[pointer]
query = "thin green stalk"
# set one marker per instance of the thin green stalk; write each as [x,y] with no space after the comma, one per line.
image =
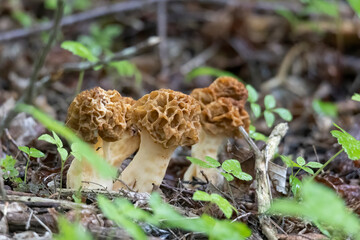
[327,163]
[61,177]
[80,82]
[26,168]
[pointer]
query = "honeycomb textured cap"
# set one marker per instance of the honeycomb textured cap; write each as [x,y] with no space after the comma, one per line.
[171,118]
[97,112]
[128,102]
[231,88]
[222,112]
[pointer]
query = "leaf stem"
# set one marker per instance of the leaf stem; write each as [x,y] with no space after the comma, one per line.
[26,168]
[329,161]
[80,82]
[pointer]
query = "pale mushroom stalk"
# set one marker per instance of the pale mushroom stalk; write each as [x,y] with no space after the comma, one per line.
[116,152]
[148,167]
[81,172]
[208,145]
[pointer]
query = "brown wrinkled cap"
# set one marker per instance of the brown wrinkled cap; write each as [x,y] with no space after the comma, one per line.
[231,88]
[222,112]
[128,102]
[171,118]
[97,112]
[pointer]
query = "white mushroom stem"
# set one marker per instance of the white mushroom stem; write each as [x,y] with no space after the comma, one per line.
[116,152]
[82,173]
[208,145]
[148,167]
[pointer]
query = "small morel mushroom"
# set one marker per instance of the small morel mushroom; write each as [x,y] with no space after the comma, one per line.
[99,118]
[166,119]
[222,113]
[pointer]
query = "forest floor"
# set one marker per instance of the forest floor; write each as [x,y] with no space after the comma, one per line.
[310,65]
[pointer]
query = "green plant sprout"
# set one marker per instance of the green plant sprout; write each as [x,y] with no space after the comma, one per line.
[122,212]
[214,198]
[314,206]
[270,104]
[7,166]
[325,108]
[300,163]
[231,167]
[30,152]
[64,155]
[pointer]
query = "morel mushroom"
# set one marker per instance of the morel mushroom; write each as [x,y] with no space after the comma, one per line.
[166,119]
[99,118]
[222,112]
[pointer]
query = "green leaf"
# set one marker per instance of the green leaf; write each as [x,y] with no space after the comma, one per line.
[70,230]
[24,149]
[47,138]
[58,141]
[355,6]
[301,161]
[348,142]
[233,166]
[112,212]
[36,153]
[256,109]
[227,176]
[22,17]
[80,50]
[322,6]
[269,118]
[325,108]
[284,114]
[212,161]
[316,200]
[253,95]
[243,176]
[287,160]
[258,136]
[104,169]
[127,69]
[356,96]
[201,196]
[223,204]
[314,165]
[201,71]
[295,184]
[201,163]
[63,153]
[308,170]
[269,102]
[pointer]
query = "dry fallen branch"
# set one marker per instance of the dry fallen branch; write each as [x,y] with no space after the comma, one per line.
[47,202]
[263,192]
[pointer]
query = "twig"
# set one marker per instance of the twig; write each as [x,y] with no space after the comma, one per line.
[47,202]
[41,222]
[28,96]
[250,142]
[199,59]
[76,18]
[162,34]
[263,192]
[125,53]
